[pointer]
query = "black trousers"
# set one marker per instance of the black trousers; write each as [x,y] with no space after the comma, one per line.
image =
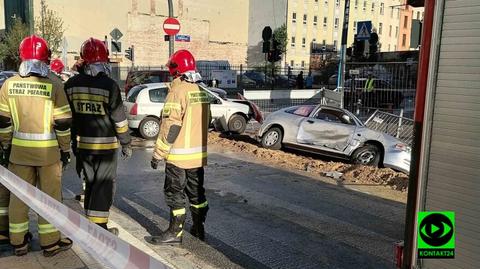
[100,172]
[183,182]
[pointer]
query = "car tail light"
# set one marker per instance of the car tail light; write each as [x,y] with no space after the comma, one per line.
[134,109]
[398,254]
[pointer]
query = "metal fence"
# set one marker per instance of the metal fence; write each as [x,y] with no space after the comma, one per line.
[395,125]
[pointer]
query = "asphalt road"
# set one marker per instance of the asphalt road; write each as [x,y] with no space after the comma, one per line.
[264,217]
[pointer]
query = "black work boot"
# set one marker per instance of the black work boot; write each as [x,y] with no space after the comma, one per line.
[198,217]
[174,233]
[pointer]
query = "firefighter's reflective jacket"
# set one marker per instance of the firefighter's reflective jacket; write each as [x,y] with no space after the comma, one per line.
[99,120]
[35,118]
[184,129]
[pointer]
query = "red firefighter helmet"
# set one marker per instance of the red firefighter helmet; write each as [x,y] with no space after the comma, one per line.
[56,65]
[34,48]
[180,62]
[94,51]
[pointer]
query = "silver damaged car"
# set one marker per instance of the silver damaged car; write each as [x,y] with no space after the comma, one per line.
[333,132]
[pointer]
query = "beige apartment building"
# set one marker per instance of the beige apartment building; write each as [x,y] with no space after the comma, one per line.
[321,21]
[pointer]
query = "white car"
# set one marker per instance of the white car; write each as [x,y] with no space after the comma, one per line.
[144,104]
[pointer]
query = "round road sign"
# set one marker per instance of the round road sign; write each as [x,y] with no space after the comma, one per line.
[171,26]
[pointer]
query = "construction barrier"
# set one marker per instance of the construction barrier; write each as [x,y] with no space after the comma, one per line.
[98,242]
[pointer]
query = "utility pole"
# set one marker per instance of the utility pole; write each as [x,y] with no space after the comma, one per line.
[171,41]
[343,52]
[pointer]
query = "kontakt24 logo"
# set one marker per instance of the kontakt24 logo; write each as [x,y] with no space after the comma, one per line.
[436,235]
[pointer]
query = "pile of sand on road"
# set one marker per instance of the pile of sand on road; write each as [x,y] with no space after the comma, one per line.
[356,174]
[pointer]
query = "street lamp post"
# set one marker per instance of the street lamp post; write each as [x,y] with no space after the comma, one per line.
[343,52]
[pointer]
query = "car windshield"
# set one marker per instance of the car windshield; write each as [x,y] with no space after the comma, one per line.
[303,111]
[133,93]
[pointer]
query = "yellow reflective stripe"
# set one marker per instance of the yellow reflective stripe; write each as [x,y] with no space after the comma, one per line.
[161,145]
[13,105]
[46,229]
[89,97]
[202,205]
[3,211]
[186,157]
[170,105]
[33,143]
[97,146]
[177,212]
[4,108]
[6,130]
[180,233]
[63,133]
[97,219]
[121,130]
[61,110]
[47,116]
[18,227]
[188,128]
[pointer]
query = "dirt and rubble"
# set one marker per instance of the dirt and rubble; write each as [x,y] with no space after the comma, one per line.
[347,173]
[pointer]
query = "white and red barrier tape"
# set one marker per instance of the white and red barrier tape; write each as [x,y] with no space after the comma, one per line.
[101,244]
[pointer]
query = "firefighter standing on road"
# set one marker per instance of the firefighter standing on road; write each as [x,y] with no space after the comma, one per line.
[99,123]
[35,118]
[183,144]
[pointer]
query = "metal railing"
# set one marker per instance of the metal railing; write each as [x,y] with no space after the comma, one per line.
[394,125]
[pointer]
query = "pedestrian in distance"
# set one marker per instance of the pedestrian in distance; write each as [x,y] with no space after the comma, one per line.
[300,81]
[99,124]
[309,80]
[36,123]
[182,144]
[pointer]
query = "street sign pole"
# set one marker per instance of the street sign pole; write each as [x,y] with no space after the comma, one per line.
[343,53]
[171,42]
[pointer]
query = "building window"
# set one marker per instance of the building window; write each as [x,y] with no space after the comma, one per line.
[304,41]
[337,2]
[316,1]
[315,19]
[303,63]
[373,6]
[398,13]
[382,8]
[326,2]
[356,4]
[388,47]
[380,28]
[293,42]
[391,12]
[324,42]
[394,47]
[336,22]
[354,26]
[418,15]
[364,5]
[314,40]
[335,42]
[396,31]
[292,63]
[305,19]
[405,22]
[404,40]
[390,31]
[294,17]
[324,21]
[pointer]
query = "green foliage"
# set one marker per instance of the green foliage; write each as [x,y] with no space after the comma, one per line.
[11,41]
[50,27]
[281,37]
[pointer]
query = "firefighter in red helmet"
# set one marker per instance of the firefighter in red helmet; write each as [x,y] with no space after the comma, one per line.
[35,120]
[182,143]
[56,65]
[99,125]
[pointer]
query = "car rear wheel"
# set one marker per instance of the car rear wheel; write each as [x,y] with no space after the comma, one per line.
[237,124]
[149,128]
[272,139]
[367,155]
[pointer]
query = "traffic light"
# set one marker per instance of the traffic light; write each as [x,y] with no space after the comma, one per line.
[129,53]
[275,54]
[373,41]
[266,46]
[359,48]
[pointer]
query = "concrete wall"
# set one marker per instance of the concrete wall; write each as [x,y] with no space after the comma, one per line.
[2,15]
[263,13]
